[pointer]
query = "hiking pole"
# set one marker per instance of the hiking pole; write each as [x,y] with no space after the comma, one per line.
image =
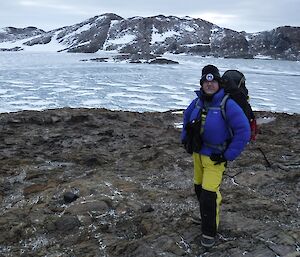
[265,157]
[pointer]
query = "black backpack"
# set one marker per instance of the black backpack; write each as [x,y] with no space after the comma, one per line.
[235,88]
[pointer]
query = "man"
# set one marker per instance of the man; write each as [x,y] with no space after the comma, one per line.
[207,136]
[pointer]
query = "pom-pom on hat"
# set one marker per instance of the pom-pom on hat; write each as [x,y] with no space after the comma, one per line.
[210,72]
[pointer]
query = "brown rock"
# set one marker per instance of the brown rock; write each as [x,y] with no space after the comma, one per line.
[135,185]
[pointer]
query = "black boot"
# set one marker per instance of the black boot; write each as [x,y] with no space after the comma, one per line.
[208,213]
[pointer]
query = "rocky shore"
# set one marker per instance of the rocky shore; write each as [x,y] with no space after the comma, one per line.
[94,182]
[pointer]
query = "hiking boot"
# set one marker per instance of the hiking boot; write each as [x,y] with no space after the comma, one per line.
[207,241]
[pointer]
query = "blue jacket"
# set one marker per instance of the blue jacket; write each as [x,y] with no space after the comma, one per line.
[215,130]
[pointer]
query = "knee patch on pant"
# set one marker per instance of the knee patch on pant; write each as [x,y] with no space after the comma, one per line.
[208,212]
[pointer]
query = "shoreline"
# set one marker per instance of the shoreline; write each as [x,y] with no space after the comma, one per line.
[119,110]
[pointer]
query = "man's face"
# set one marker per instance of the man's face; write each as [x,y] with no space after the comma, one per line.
[210,87]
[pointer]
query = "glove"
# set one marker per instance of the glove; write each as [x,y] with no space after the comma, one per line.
[218,158]
[188,147]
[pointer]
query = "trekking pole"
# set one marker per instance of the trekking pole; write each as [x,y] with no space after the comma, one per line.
[265,157]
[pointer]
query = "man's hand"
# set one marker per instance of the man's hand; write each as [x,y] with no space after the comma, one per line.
[218,158]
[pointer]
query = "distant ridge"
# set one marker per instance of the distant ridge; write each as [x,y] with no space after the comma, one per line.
[156,35]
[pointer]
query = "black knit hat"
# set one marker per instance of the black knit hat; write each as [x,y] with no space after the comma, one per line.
[210,72]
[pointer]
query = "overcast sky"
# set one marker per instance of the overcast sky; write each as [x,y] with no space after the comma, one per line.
[247,15]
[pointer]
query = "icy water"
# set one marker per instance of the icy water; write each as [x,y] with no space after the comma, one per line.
[37,81]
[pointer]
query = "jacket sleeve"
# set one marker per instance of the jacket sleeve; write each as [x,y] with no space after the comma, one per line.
[240,126]
[186,118]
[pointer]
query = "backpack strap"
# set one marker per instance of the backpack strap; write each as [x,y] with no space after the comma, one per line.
[223,105]
[223,111]
[197,104]
[242,80]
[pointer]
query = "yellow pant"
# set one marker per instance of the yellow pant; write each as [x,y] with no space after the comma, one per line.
[209,176]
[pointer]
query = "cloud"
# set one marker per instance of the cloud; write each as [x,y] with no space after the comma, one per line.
[46,5]
[219,18]
[251,16]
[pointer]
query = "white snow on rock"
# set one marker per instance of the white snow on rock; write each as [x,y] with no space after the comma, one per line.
[79,30]
[52,46]
[187,27]
[161,37]
[125,39]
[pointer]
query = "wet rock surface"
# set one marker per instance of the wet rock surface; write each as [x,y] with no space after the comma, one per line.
[93,182]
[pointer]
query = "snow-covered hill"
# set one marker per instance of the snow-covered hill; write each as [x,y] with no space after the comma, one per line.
[154,35]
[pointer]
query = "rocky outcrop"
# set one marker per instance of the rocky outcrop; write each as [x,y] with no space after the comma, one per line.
[230,44]
[162,61]
[279,43]
[94,182]
[160,34]
[42,40]
[89,36]
[14,49]
[13,34]
[134,58]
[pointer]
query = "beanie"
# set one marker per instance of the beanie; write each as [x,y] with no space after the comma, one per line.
[210,72]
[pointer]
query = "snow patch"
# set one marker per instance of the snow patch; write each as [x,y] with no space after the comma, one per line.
[100,18]
[113,23]
[52,46]
[162,19]
[161,37]
[12,44]
[84,43]
[187,28]
[199,44]
[80,30]
[136,18]
[262,57]
[214,30]
[188,18]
